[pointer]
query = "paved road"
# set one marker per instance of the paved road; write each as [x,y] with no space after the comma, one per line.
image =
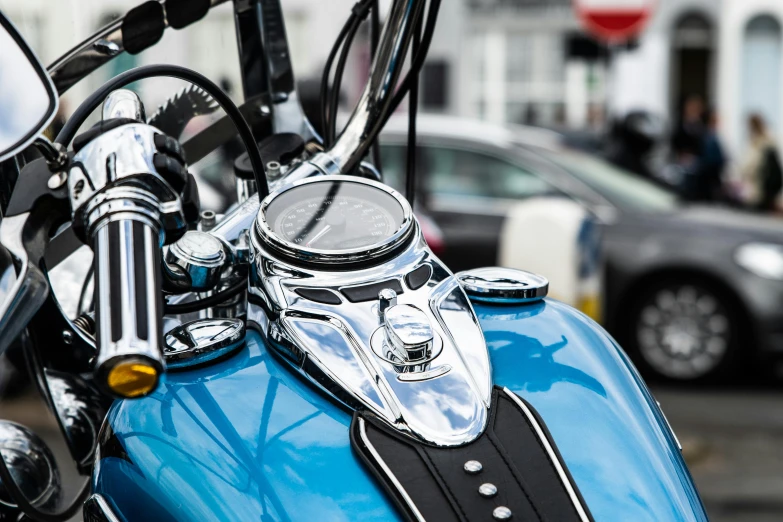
[732,439]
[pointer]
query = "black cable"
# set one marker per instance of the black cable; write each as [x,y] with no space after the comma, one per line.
[84,110]
[85,285]
[334,99]
[327,71]
[418,63]
[413,105]
[404,88]
[375,36]
[207,302]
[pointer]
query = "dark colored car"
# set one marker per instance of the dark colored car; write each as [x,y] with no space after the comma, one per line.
[691,292]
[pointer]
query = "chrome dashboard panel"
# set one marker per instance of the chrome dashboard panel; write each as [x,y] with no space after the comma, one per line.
[444,400]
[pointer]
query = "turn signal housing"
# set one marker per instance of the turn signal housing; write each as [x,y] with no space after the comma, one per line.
[131,379]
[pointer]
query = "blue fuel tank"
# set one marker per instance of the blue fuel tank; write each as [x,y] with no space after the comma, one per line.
[247,439]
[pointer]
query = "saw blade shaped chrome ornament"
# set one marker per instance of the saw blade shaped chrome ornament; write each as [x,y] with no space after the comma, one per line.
[174,114]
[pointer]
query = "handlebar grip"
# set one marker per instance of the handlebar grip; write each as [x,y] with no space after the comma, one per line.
[128,305]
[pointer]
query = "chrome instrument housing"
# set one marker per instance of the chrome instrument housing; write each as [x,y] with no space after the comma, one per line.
[293,251]
[442,399]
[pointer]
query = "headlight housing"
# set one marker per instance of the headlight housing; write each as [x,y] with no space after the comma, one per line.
[763,259]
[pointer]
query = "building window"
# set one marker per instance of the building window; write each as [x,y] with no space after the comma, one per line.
[761,85]
[519,58]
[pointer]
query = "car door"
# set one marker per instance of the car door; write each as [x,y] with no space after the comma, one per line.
[468,193]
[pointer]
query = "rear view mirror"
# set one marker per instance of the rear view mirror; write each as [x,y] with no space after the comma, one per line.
[28,101]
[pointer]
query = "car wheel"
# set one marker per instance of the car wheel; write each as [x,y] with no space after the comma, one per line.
[684,330]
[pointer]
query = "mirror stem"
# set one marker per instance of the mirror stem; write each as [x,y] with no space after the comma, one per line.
[54,153]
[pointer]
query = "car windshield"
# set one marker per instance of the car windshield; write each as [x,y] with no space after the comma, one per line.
[622,188]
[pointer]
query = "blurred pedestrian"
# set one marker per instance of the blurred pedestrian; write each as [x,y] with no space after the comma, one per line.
[632,140]
[705,180]
[688,137]
[761,171]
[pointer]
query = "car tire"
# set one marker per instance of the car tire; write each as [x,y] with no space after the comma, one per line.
[685,329]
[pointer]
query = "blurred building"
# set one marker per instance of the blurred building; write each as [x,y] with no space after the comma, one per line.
[521,61]
[726,51]
[524,65]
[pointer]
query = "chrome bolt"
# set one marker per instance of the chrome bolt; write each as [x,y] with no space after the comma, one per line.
[488,490]
[501,513]
[208,220]
[106,47]
[273,170]
[57,180]
[67,337]
[386,299]
[473,467]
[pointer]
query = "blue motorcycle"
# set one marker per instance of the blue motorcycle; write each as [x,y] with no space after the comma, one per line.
[304,356]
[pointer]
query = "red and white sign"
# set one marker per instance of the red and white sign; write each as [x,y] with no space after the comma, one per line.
[614,20]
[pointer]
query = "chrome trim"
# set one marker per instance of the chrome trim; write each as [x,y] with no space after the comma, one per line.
[503,285]
[22,293]
[388,472]
[200,255]
[131,343]
[92,53]
[552,455]
[122,154]
[386,299]
[329,257]
[201,341]
[21,449]
[246,188]
[123,103]
[668,425]
[233,227]
[385,349]
[96,509]
[409,333]
[444,402]
[79,409]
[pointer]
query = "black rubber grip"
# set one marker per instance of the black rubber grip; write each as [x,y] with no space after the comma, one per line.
[181,13]
[143,26]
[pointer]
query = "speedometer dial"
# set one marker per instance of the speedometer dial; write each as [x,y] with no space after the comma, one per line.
[334,218]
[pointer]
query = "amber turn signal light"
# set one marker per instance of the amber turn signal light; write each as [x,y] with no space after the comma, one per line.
[132,379]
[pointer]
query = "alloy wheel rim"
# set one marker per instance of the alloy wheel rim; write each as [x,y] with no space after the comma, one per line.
[683,332]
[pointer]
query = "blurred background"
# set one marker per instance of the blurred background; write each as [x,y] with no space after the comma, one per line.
[625,149]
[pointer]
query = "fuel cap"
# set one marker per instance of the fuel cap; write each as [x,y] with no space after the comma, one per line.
[503,285]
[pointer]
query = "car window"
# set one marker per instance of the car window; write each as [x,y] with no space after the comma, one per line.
[453,172]
[622,188]
[393,165]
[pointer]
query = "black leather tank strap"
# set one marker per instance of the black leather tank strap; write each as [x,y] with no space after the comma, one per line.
[513,471]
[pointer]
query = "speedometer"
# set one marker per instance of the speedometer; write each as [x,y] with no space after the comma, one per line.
[334,219]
